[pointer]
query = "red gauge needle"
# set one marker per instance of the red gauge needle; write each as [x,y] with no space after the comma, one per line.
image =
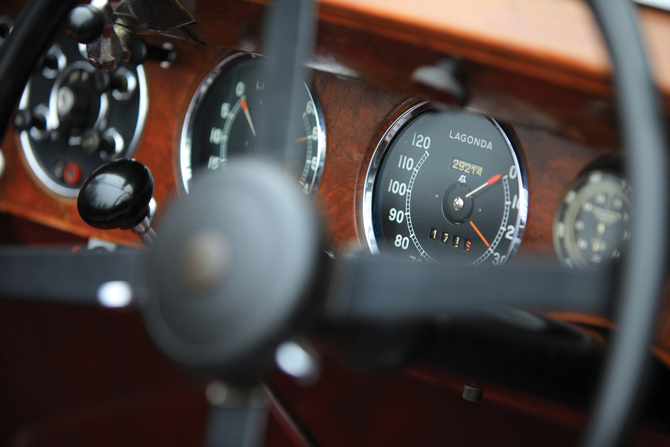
[300,140]
[245,109]
[479,232]
[490,181]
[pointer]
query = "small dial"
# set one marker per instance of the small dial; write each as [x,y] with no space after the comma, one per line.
[221,123]
[591,228]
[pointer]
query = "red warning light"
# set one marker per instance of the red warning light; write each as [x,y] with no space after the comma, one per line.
[72,173]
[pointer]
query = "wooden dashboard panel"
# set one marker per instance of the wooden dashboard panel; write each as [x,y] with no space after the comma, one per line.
[555,40]
[356,114]
[565,92]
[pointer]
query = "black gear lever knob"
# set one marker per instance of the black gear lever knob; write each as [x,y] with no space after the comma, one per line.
[84,24]
[119,195]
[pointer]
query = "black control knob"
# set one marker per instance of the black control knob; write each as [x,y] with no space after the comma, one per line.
[165,55]
[73,102]
[84,24]
[119,82]
[93,143]
[49,61]
[24,120]
[116,195]
[78,102]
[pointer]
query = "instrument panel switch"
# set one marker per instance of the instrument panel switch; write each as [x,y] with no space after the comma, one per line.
[472,393]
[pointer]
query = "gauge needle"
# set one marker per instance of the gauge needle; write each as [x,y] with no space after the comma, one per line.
[490,181]
[479,232]
[300,140]
[245,109]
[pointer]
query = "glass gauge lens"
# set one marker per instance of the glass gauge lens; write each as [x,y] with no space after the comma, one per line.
[220,123]
[592,222]
[445,186]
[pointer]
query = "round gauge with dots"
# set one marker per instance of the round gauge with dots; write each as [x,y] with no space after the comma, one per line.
[72,118]
[445,186]
[592,222]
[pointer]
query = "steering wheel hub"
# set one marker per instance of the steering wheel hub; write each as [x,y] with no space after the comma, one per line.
[231,270]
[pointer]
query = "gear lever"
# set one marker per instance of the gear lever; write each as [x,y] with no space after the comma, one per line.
[119,195]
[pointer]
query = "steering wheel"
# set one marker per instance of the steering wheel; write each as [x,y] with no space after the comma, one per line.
[351,287]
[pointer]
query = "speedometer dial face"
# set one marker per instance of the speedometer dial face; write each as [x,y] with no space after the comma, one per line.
[445,186]
[220,123]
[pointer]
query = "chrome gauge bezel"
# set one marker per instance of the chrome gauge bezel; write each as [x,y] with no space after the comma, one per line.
[185,172]
[321,143]
[376,161]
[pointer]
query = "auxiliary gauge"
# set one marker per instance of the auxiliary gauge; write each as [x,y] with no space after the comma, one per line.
[445,186]
[221,123]
[591,226]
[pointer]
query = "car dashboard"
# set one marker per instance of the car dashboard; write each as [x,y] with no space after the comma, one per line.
[538,68]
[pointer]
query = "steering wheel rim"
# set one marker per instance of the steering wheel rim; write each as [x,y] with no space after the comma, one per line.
[644,269]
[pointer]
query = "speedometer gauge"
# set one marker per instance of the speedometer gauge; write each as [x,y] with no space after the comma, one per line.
[221,123]
[445,186]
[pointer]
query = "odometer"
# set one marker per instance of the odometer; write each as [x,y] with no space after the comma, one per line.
[468,168]
[445,186]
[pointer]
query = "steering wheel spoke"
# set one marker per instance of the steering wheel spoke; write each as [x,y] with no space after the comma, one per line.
[387,290]
[70,275]
[288,39]
[237,417]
